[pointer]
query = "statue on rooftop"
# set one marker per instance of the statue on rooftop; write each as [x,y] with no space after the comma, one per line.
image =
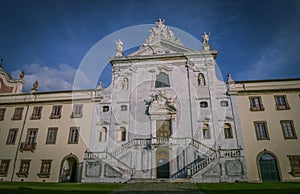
[205,38]
[119,51]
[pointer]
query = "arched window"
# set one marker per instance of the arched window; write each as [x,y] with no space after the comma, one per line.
[162,80]
[227,131]
[103,134]
[121,134]
[206,131]
[201,80]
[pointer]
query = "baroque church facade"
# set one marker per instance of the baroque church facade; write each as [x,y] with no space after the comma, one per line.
[165,115]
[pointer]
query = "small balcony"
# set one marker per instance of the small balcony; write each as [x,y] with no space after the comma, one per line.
[35,117]
[27,147]
[259,107]
[54,116]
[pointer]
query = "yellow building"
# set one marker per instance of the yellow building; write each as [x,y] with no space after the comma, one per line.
[43,135]
[269,113]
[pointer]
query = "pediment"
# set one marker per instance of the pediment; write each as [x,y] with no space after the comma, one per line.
[161,47]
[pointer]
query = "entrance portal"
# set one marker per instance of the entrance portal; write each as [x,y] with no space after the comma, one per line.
[162,162]
[69,169]
[268,168]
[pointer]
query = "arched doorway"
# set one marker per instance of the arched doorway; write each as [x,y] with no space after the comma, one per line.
[162,162]
[69,169]
[268,168]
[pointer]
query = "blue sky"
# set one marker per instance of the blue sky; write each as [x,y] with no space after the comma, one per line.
[256,39]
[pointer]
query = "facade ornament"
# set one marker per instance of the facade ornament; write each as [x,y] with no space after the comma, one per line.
[125,83]
[116,70]
[119,51]
[161,32]
[230,82]
[22,74]
[99,86]
[205,39]
[35,87]
[161,100]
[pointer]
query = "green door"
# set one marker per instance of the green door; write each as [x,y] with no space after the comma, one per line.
[268,168]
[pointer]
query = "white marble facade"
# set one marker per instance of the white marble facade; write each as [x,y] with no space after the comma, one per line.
[165,115]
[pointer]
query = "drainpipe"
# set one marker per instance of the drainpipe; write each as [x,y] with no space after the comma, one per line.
[19,142]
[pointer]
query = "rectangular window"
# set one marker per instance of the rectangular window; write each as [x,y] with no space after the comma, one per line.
[30,143]
[256,103]
[12,135]
[4,166]
[281,103]
[288,130]
[295,165]
[18,113]
[2,113]
[123,107]
[51,136]
[105,108]
[261,130]
[74,135]
[24,168]
[45,169]
[77,111]
[56,112]
[36,113]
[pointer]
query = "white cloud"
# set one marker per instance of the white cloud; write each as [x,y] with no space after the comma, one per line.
[49,78]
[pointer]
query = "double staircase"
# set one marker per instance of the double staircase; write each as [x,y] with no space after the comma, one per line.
[199,164]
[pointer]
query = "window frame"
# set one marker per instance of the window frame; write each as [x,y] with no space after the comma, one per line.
[279,106]
[45,169]
[75,112]
[121,135]
[201,103]
[2,113]
[258,137]
[4,169]
[103,134]
[295,165]
[260,106]
[224,101]
[207,134]
[162,80]
[36,114]
[49,135]
[18,114]
[24,168]
[30,141]
[124,107]
[105,108]
[291,127]
[56,112]
[229,129]
[13,141]
[72,133]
